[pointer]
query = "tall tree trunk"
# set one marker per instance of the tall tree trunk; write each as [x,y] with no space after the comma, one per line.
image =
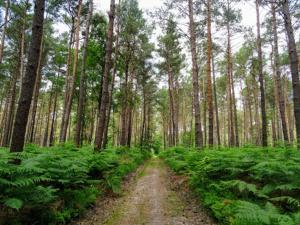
[28,83]
[193,45]
[209,82]
[105,83]
[236,131]
[68,105]
[278,78]
[231,137]
[36,92]
[7,5]
[248,99]
[80,109]
[293,64]
[216,102]
[67,79]
[124,110]
[261,80]
[171,106]
[112,85]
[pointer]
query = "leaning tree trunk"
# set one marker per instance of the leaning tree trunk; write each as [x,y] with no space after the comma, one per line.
[193,45]
[105,81]
[293,64]
[209,82]
[261,80]
[80,111]
[21,118]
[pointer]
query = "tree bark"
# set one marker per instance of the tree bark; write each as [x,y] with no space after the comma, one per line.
[216,102]
[105,84]
[46,136]
[112,85]
[261,80]
[293,64]
[67,79]
[80,109]
[209,82]
[193,45]
[68,106]
[278,78]
[21,119]
[231,136]
[31,125]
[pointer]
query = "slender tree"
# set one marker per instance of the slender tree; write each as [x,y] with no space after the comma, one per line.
[80,108]
[68,106]
[278,78]
[261,78]
[209,80]
[195,70]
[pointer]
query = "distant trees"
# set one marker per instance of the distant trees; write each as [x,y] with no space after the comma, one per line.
[105,81]
[171,52]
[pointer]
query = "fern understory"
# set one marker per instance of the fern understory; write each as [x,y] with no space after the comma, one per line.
[54,185]
[248,186]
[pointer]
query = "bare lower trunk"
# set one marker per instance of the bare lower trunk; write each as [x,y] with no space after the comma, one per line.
[46,136]
[231,136]
[69,102]
[261,81]
[209,82]
[80,109]
[293,64]
[67,81]
[28,83]
[197,113]
[216,103]
[105,83]
[31,124]
[278,79]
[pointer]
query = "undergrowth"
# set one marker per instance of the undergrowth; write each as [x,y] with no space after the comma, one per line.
[248,186]
[54,185]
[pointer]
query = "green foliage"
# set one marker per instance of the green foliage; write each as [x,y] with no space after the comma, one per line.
[243,186]
[52,185]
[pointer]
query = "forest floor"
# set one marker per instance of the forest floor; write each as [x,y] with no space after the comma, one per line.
[151,196]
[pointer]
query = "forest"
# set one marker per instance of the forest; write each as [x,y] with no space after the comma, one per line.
[134,112]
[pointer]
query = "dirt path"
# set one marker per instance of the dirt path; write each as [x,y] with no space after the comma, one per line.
[150,201]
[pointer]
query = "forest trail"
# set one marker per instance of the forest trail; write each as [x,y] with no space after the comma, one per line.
[149,200]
